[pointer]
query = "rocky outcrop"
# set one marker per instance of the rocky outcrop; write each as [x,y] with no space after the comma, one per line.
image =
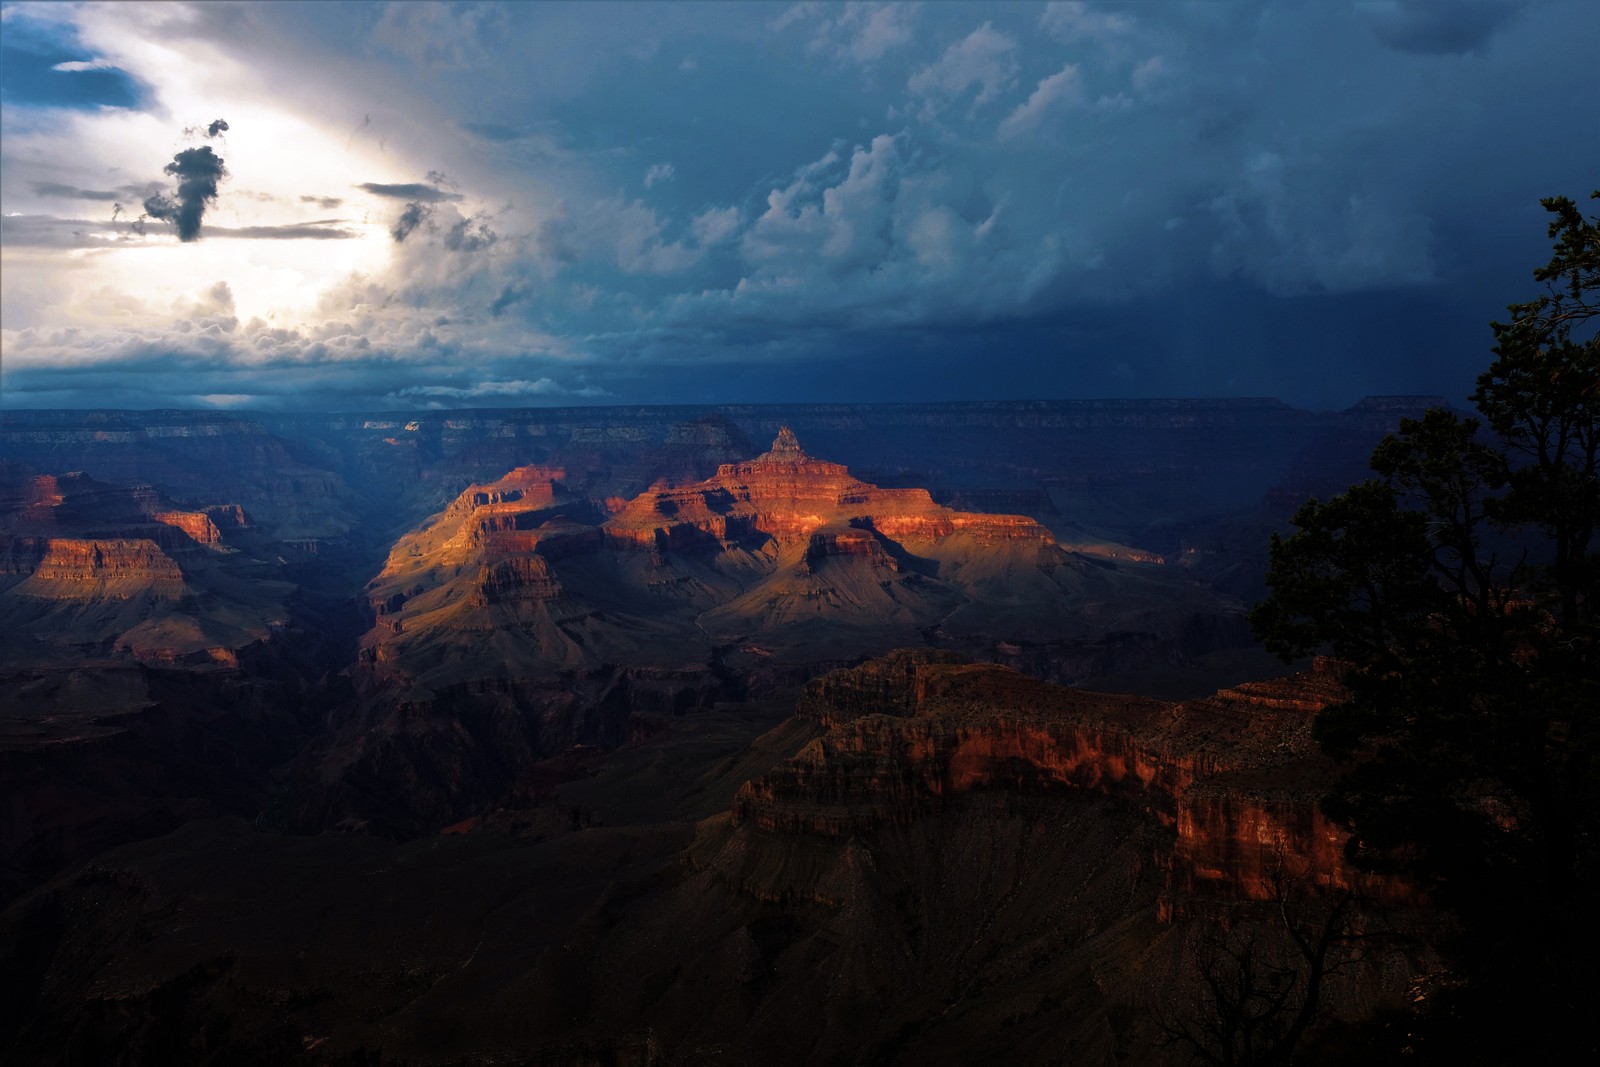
[71,560]
[1235,777]
[196,525]
[519,578]
[95,572]
[785,495]
[77,505]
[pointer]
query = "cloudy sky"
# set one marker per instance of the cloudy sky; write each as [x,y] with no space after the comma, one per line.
[357,206]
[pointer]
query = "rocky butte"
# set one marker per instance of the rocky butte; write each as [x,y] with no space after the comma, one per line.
[529,620]
[1235,775]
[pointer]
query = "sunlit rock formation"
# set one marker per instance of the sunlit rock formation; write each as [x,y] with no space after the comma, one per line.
[1234,776]
[533,620]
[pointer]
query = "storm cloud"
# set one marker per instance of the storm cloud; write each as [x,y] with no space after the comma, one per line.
[70,192]
[817,201]
[414,216]
[198,170]
[426,194]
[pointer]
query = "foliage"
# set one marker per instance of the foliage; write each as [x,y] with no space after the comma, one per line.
[1460,587]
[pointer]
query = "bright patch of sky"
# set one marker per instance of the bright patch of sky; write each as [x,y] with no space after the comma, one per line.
[480,203]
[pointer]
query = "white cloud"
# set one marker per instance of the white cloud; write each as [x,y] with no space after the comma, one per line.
[440,36]
[715,225]
[1064,85]
[869,31]
[798,13]
[985,58]
[79,65]
[658,172]
[1076,21]
[1150,73]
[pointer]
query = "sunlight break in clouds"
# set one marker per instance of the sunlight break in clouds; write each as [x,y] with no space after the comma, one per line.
[955,198]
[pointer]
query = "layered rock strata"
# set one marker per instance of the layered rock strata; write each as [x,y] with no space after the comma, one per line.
[91,569]
[1235,776]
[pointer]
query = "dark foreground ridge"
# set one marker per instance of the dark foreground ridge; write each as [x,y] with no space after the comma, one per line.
[931,861]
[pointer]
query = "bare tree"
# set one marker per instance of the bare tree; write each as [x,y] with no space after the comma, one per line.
[1260,984]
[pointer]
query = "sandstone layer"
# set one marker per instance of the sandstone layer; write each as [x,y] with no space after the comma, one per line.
[1234,776]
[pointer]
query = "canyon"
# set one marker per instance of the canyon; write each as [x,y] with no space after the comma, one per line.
[951,741]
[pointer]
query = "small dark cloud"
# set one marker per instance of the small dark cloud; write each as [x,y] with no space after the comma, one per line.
[213,128]
[416,214]
[313,231]
[135,228]
[470,235]
[1440,27]
[72,192]
[414,191]
[508,296]
[327,203]
[198,171]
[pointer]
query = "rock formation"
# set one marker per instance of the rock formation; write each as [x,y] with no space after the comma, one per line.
[520,607]
[92,569]
[1235,775]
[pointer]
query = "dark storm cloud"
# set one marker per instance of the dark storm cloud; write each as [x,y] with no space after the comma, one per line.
[213,128]
[70,192]
[198,171]
[1440,27]
[314,231]
[508,296]
[48,231]
[413,216]
[135,228]
[415,191]
[470,235]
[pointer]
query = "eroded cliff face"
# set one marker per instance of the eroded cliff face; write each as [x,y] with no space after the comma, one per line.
[157,655]
[1234,777]
[74,568]
[786,496]
[93,572]
[523,598]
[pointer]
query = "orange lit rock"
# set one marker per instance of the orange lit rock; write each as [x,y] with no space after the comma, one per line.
[65,566]
[786,496]
[1235,775]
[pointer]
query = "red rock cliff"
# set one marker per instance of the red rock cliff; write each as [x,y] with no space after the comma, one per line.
[787,496]
[1234,775]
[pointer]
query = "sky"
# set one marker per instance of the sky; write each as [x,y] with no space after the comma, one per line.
[332,206]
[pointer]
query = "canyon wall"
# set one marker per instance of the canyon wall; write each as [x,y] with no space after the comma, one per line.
[1234,777]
